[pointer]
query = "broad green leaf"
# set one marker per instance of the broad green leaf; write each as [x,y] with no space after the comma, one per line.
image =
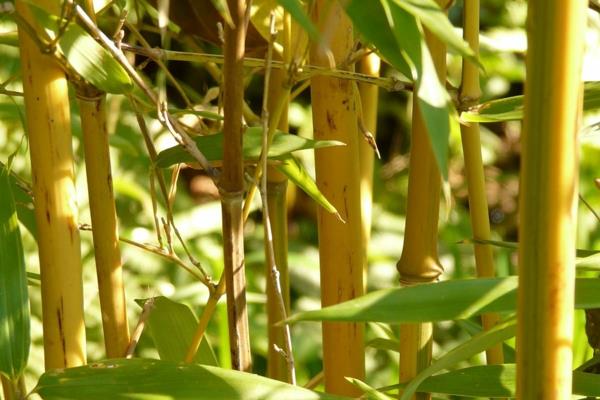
[369,18]
[511,108]
[23,202]
[478,343]
[14,303]
[172,326]
[86,56]
[296,10]
[142,379]
[435,19]
[496,381]
[212,147]
[295,172]
[449,300]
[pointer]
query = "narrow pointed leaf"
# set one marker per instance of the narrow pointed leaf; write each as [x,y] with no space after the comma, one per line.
[582,254]
[435,19]
[212,147]
[511,108]
[474,328]
[142,379]
[449,300]
[369,18]
[172,326]
[295,172]
[434,101]
[14,303]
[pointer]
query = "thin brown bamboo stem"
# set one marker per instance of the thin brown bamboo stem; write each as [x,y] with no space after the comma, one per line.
[369,65]
[49,133]
[469,94]
[419,260]
[231,186]
[337,170]
[548,198]
[104,221]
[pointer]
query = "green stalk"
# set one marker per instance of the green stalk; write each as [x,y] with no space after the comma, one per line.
[419,260]
[232,187]
[548,199]
[337,169]
[469,95]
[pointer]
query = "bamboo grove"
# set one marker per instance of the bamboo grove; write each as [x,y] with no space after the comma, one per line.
[101,86]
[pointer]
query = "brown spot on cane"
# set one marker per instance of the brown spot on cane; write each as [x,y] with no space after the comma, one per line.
[330,121]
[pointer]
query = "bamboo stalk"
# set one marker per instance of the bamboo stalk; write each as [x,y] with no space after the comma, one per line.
[469,95]
[548,200]
[277,184]
[232,187]
[337,169]
[49,130]
[419,260]
[369,65]
[104,222]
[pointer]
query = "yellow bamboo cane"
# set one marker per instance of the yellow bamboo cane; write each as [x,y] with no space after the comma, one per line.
[92,108]
[548,199]
[419,260]
[369,65]
[49,133]
[470,93]
[340,246]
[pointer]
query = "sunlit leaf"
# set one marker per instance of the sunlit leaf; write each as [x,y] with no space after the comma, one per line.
[86,56]
[142,379]
[14,303]
[172,326]
[295,172]
[473,328]
[449,300]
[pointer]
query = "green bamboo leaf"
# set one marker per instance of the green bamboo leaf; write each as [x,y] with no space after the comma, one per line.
[496,381]
[9,39]
[212,147]
[449,300]
[369,392]
[14,303]
[478,343]
[511,108]
[474,328]
[23,202]
[434,101]
[369,18]
[435,19]
[142,379]
[295,172]
[172,326]
[86,56]
[296,10]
